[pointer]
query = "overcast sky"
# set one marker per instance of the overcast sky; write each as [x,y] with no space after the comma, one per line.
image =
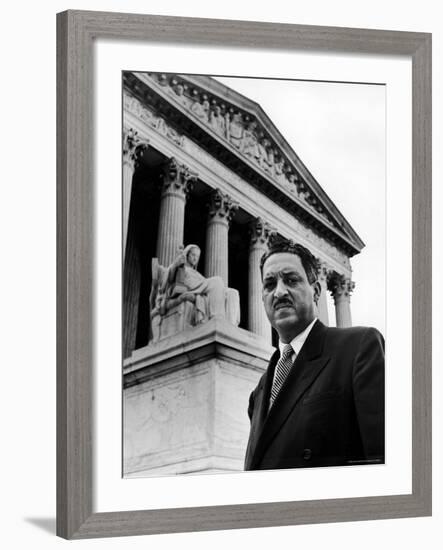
[338,131]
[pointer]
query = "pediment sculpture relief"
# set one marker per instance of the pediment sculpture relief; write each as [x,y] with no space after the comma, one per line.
[243,131]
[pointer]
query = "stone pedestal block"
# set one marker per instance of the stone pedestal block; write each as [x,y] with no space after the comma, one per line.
[186,400]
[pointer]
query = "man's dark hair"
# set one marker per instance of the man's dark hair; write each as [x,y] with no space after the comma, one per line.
[309,262]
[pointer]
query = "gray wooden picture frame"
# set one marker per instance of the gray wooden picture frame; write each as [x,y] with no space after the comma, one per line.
[76,32]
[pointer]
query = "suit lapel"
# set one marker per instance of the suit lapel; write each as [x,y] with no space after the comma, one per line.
[261,407]
[307,366]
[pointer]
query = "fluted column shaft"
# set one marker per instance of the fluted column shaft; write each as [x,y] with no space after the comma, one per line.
[257,319]
[341,289]
[322,306]
[171,226]
[177,182]
[128,173]
[133,149]
[221,210]
[217,249]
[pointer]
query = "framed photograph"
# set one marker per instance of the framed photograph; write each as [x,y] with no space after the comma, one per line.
[194,157]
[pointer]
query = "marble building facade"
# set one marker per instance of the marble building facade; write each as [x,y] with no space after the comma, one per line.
[203,164]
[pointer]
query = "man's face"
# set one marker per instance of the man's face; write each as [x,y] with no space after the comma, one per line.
[193,257]
[288,297]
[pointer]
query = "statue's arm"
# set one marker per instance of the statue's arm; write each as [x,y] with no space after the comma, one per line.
[156,278]
[172,269]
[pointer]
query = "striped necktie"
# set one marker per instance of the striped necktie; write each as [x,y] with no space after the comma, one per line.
[282,369]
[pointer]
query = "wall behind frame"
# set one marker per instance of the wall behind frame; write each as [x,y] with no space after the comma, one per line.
[28,274]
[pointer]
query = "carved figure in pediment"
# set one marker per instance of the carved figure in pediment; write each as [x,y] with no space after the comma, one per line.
[181,297]
[303,191]
[217,121]
[235,130]
[250,141]
[312,201]
[179,89]
[163,80]
[201,109]
[279,166]
[279,169]
[271,157]
[266,159]
[293,183]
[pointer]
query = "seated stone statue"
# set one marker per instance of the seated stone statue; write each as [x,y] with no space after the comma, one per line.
[181,297]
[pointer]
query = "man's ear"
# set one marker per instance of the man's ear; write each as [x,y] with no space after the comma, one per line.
[317,291]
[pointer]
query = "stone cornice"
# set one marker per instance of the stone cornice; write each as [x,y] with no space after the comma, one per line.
[293,196]
[215,339]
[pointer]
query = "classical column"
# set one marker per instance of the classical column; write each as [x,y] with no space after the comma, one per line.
[257,319]
[176,184]
[341,289]
[221,210]
[131,293]
[322,306]
[133,149]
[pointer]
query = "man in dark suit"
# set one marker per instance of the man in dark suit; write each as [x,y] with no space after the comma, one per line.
[321,399]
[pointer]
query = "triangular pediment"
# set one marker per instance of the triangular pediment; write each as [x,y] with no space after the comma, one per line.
[247,140]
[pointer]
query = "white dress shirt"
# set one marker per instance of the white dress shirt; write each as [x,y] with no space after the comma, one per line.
[297,342]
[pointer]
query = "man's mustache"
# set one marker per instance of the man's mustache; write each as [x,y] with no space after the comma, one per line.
[282,302]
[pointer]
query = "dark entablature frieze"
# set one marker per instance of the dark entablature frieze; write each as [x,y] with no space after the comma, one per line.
[170,103]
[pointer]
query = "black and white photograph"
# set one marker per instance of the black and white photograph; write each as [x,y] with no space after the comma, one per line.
[254,285]
[221,299]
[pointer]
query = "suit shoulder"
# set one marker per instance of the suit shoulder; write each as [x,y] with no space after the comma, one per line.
[354,332]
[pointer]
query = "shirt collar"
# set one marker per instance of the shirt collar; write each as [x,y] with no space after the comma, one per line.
[299,340]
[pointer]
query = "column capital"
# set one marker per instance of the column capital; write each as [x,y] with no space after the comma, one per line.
[221,207]
[177,178]
[260,232]
[340,286]
[324,272]
[133,147]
